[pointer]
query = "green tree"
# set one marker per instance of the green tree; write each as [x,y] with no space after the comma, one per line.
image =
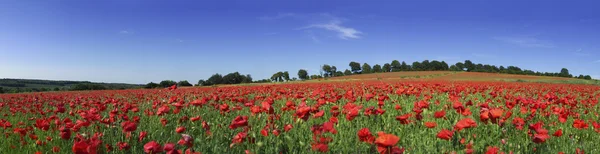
[386,67]
[148,86]
[396,66]
[404,67]
[347,72]
[247,78]
[339,73]
[327,70]
[564,72]
[460,66]
[355,67]
[366,68]
[184,83]
[587,77]
[377,68]
[303,74]
[469,65]
[333,71]
[167,83]
[286,76]
[277,77]
[1,90]
[416,66]
[214,79]
[201,83]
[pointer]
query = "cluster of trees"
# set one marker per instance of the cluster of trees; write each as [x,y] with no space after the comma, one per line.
[231,78]
[426,65]
[167,83]
[327,70]
[281,76]
[34,85]
[472,67]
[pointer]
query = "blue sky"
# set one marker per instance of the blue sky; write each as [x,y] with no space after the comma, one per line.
[151,40]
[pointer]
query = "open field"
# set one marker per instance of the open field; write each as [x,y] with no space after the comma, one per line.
[356,116]
[459,76]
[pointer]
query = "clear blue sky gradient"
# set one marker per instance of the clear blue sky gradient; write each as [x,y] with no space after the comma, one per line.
[149,40]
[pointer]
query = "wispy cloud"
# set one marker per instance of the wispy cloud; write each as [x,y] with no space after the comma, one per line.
[278,16]
[580,52]
[335,25]
[526,41]
[597,61]
[125,32]
[179,40]
[312,36]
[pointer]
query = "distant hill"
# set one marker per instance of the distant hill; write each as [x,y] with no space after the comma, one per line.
[35,85]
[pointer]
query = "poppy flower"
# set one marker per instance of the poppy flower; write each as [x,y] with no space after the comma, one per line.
[152,147]
[445,134]
[558,133]
[128,126]
[170,148]
[65,133]
[386,140]
[465,123]
[492,150]
[180,129]
[403,118]
[239,121]
[123,145]
[365,135]
[439,114]
[320,147]
[287,127]
[430,124]
[540,137]
[579,124]
[142,136]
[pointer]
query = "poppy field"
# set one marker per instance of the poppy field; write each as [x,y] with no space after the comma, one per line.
[412,116]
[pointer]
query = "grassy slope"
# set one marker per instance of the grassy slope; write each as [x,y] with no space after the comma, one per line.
[460,76]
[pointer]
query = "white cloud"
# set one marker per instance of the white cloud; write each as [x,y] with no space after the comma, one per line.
[526,41]
[336,26]
[125,32]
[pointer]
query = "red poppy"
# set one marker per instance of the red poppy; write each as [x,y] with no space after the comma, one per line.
[365,135]
[239,121]
[180,129]
[403,118]
[558,133]
[129,126]
[287,127]
[142,136]
[445,134]
[579,124]
[123,145]
[238,138]
[430,124]
[439,114]
[492,150]
[170,148]
[540,137]
[320,147]
[465,123]
[386,140]
[65,133]
[152,147]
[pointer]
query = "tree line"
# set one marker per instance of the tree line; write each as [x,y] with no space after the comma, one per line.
[327,71]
